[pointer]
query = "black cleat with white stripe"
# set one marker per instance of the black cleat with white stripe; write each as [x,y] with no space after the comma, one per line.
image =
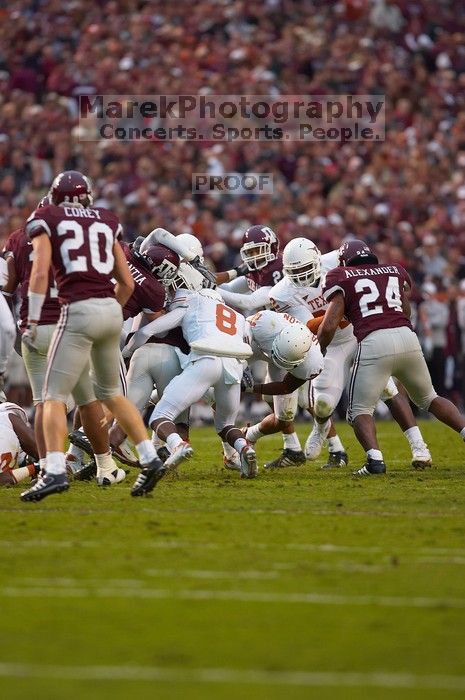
[372,467]
[45,485]
[149,477]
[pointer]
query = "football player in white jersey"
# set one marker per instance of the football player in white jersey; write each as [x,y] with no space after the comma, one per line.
[215,333]
[300,293]
[260,252]
[293,350]
[16,440]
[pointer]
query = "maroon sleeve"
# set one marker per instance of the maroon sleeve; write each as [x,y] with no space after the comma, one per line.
[39,222]
[333,283]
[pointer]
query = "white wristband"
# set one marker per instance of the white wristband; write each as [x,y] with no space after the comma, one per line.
[35,301]
[232,275]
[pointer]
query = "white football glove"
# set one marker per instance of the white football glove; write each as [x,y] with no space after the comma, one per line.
[29,337]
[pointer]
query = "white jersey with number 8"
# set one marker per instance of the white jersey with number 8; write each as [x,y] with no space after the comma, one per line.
[210,327]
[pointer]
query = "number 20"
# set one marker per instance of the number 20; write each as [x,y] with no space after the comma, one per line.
[80,262]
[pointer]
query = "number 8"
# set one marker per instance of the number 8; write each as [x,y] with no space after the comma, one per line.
[226,319]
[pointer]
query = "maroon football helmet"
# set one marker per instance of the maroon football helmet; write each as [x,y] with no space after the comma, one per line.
[162,262]
[260,246]
[71,187]
[354,252]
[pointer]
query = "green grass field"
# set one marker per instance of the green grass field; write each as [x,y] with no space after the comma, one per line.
[300,584]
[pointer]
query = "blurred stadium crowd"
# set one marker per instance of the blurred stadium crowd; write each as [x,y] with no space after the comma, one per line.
[405,197]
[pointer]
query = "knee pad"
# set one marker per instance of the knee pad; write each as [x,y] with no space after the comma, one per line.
[425,402]
[324,405]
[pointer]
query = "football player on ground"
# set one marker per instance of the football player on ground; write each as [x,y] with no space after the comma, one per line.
[81,244]
[300,293]
[375,299]
[215,335]
[16,443]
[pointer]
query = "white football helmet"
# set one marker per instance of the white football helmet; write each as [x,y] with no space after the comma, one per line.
[187,277]
[302,262]
[290,347]
[192,244]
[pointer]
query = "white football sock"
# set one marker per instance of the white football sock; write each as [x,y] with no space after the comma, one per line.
[291,442]
[414,436]
[375,454]
[56,463]
[173,441]
[335,444]
[228,450]
[254,433]
[146,451]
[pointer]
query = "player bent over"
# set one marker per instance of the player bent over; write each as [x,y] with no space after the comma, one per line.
[374,298]
[293,350]
[215,334]
[80,242]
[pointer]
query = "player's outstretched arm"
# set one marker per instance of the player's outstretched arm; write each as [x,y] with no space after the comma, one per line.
[331,320]
[247,302]
[286,386]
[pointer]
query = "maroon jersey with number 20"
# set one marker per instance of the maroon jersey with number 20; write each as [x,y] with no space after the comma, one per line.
[372,296]
[82,241]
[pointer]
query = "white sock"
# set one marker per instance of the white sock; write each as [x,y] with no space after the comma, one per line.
[462,433]
[239,444]
[375,454]
[335,444]
[43,464]
[105,462]
[56,463]
[414,436]
[254,433]
[291,442]
[228,450]
[173,441]
[145,451]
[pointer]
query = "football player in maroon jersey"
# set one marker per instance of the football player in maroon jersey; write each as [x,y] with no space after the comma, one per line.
[375,299]
[7,324]
[81,244]
[18,254]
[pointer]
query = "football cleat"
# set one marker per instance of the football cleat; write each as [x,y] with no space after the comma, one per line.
[233,463]
[180,453]
[372,467]
[316,439]
[149,478]
[108,478]
[78,438]
[87,472]
[336,460]
[45,486]
[125,455]
[287,458]
[421,456]
[248,466]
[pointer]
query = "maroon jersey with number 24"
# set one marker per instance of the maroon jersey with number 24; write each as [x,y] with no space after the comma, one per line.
[372,296]
[82,241]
